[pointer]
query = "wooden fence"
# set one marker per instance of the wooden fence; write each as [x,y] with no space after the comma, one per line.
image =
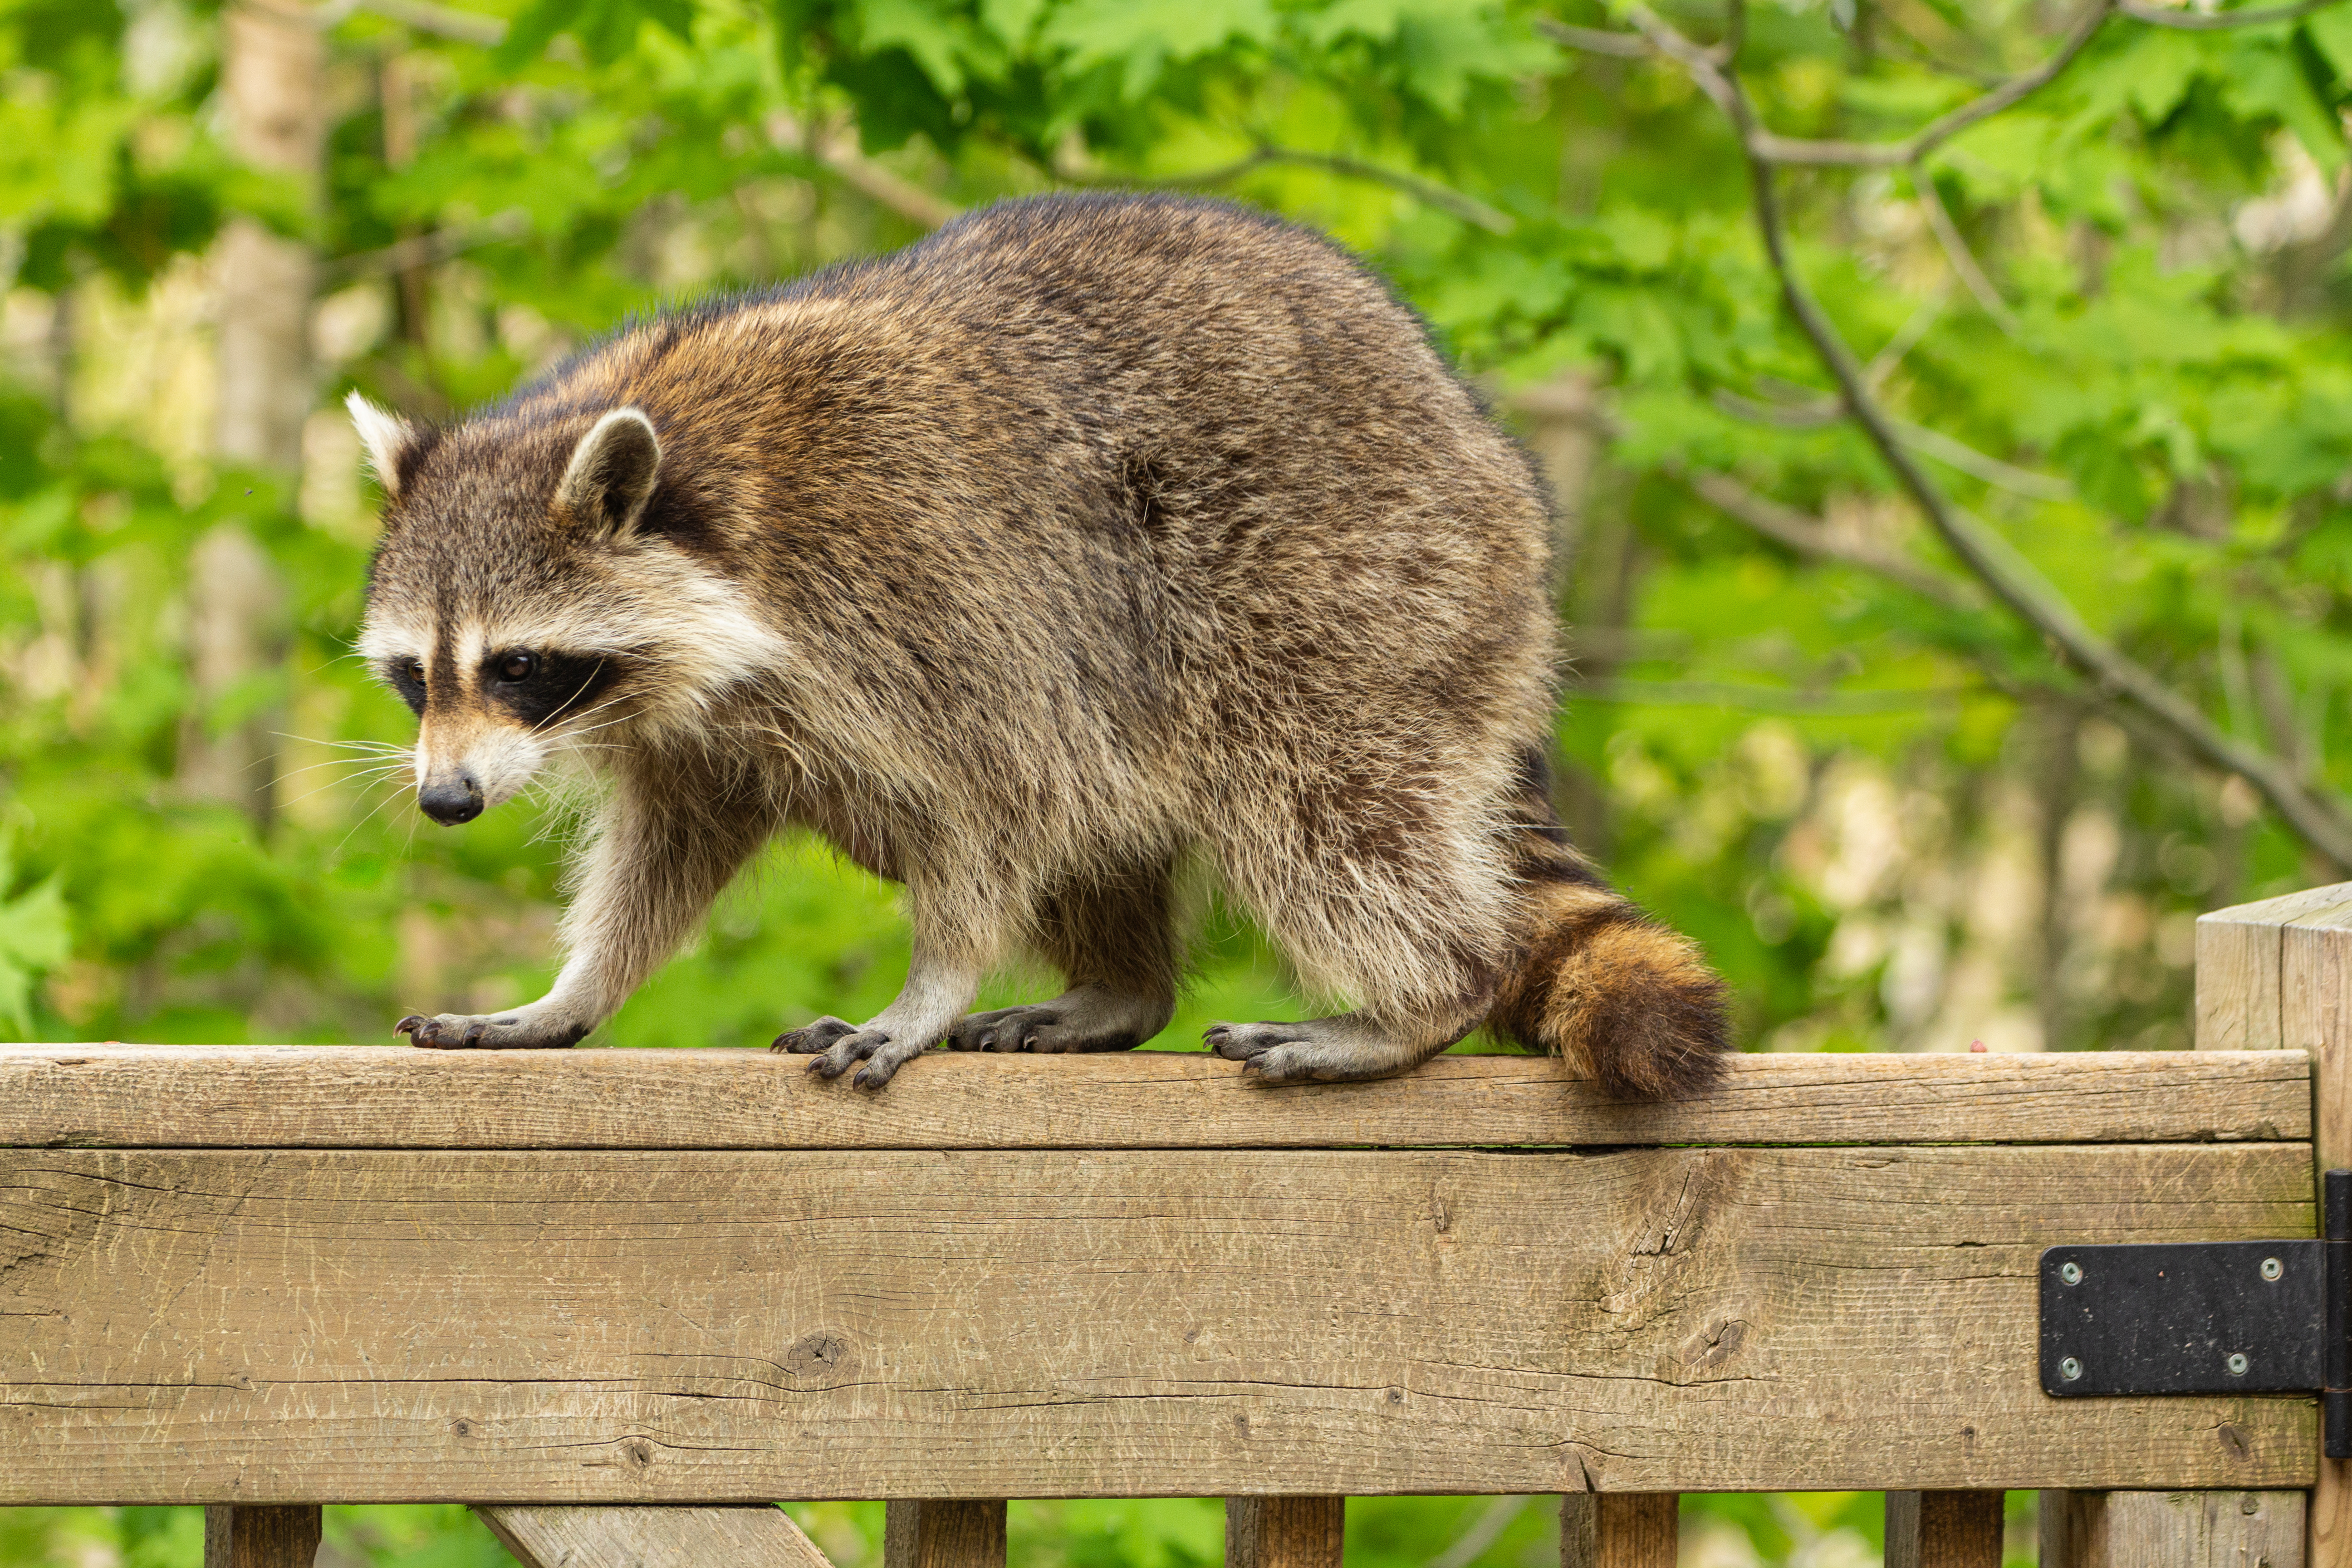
[606,1295]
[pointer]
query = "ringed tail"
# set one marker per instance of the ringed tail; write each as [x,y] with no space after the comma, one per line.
[1598,981]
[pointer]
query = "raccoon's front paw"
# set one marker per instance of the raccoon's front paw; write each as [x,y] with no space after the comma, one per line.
[519,1031]
[835,1046]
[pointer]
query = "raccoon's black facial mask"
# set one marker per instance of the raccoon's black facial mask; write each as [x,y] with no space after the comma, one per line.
[406,677]
[537,689]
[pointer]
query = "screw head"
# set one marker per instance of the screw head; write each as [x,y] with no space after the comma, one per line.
[2273,1268]
[2237,1363]
[2070,1369]
[2070,1272]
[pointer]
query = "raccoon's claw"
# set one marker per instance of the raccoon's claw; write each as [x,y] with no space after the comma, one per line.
[1270,1053]
[811,1039]
[506,1032]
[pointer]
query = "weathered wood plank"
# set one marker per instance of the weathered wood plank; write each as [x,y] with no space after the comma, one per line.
[1619,1530]
[1943,1529]
[2171,1530]
[240,1536]
[938,1533]
[617,1328]
[2279,973]
[1284,1531]
[2243,999]
[369,1096]
[571,1537]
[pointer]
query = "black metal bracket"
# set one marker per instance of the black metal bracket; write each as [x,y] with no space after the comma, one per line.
[2222,1317]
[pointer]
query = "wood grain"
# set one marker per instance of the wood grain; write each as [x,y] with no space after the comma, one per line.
[238,1536]
[937,1533]
[2171,1530]
[1943,1529]
[2278,973]
[1284,1531]
[184,1326]
[369,1097]
[566,1537]
[1619,1530]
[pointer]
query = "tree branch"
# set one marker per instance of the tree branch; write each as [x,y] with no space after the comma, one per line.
[1468,208]
[1951,453]
[2010,579]
[835,147]
[1593,40]
[2211,21]
[429,250]
[1761,143]
[1810,536]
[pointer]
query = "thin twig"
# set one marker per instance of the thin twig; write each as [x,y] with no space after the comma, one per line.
[1953,454]
[1812,537]
[446,21]
[2209,21]
[428,249]
[1957,252]
[1791,700]
[1492,1520]
[2010,579]
[1593,40]
[1445,198]
[833,146]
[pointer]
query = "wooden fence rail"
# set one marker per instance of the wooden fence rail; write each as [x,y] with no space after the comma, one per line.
[602,1294]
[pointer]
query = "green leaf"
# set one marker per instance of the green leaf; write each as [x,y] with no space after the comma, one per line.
[2264,80]
[35,935]
[1142,37]
[2329,28]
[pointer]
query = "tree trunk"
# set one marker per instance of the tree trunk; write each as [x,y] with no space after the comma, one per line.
[271,62]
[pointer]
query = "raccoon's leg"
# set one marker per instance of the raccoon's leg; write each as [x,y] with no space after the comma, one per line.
[1114,942]
[1388,896]
[941,982]
[664,849]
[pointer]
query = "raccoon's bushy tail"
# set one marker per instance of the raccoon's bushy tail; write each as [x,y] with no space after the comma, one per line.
[1598,982]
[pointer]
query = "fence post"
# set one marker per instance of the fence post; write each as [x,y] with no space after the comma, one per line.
[929,1534]
[2277,976]
[1284,1531]
[2172,1530]
[237,1536]
[1943,1529]
[1619,1530]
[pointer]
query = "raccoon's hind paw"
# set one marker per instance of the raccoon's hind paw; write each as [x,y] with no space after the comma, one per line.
[504,1032]
[1089,1018]
[1271,1053]
[1341,1049]
[833,1046]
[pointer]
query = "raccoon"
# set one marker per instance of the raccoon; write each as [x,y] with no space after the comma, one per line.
[1091,539]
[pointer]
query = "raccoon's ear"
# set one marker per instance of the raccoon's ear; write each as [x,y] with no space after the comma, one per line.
[612,472]
[385,437]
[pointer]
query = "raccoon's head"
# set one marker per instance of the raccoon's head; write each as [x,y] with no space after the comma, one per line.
[519,604]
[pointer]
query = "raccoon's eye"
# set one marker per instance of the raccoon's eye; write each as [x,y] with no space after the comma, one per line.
[413,669]
[518,666]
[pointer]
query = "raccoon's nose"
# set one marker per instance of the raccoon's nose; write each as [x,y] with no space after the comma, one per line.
[451,801]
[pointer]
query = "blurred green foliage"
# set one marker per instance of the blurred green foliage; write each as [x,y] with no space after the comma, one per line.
[1891,816]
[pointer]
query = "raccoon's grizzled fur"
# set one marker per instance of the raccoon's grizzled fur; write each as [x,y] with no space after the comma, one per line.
[1092,538]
